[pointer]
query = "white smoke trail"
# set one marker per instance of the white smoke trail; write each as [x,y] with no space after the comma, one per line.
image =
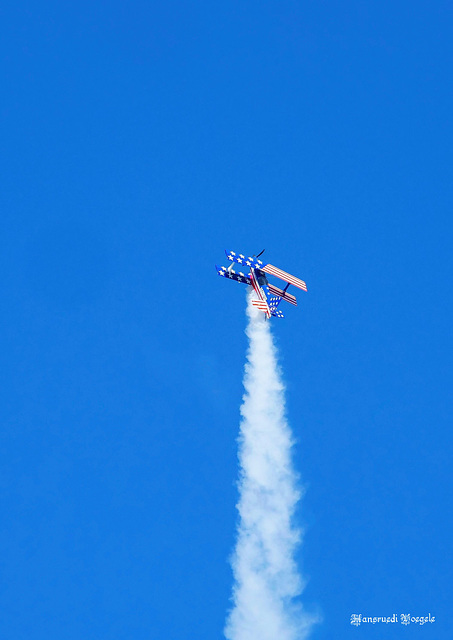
[267,581]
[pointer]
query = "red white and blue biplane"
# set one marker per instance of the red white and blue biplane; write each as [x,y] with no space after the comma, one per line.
[269,296]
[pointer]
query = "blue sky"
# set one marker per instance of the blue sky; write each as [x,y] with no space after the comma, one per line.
[138,142]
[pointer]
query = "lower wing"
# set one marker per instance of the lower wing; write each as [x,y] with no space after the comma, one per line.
[233,275]
[282,294]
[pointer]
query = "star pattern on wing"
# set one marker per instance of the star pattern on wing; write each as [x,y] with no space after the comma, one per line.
[241,259]
[233,275]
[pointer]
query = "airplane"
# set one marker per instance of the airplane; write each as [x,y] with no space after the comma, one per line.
[269,296]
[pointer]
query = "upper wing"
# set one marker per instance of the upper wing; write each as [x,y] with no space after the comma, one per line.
[282,294]
[239,258]
[278,273]
[239,277]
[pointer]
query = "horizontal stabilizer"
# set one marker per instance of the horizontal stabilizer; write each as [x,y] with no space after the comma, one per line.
[278,273]
[283,294]
[273,307]
[262,306]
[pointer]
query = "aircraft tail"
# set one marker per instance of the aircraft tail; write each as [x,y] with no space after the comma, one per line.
[273,304]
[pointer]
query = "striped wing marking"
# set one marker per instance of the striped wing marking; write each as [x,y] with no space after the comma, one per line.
[283,275]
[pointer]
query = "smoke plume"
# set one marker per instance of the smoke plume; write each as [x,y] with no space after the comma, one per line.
[267,581]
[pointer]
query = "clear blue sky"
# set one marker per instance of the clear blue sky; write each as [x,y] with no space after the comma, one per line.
[138,141]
